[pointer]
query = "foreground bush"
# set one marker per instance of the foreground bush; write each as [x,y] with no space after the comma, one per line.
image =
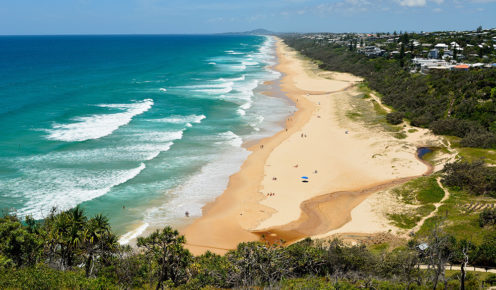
[76,252]
[43,277]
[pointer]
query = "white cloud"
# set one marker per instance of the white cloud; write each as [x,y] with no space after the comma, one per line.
[412,3]
[420,3]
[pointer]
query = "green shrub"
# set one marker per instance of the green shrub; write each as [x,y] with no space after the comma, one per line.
[395,118]
[487,217]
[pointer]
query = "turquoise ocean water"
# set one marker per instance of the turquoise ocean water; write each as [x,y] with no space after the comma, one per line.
[140,128]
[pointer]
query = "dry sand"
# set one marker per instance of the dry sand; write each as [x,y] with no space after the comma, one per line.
[344,160]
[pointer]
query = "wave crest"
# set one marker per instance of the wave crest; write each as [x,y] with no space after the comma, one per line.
[99,125]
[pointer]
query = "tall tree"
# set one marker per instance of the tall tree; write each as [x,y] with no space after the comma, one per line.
[165,248]
[98,240]
[440,250]
[402,55]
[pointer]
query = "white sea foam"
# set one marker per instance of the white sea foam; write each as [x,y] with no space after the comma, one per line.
[126,238]
[241,78]
[177,119]
[230,138]
[211,89]
[66,188]
[238,67]
[241,112]
[203,186]
[215,91]
[233,52]
[99,125]
[159,136]
[212,63]
[163,90]
[249,63]
[246,106]
[138,152]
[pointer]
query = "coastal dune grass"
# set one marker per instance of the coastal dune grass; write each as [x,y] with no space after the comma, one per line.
[459,222]
[419,196]
[371,114]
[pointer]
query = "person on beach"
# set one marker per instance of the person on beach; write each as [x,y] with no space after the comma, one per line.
[186,214]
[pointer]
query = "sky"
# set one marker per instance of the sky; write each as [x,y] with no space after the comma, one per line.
[34,17]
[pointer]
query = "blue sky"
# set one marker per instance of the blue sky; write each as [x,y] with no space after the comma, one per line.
[212,16]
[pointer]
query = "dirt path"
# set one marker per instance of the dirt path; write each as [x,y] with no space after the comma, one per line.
[437,205]
[468,268]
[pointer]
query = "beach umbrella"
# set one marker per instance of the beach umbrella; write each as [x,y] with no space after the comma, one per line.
[304,177]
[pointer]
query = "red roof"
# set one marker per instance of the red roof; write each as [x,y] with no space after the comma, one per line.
[462,66]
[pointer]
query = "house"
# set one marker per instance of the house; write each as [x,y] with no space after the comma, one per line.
[441,46]
[425,64]
[372,51]
[433,54]
[454,44]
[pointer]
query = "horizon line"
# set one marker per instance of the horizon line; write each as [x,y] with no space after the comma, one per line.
[234,33]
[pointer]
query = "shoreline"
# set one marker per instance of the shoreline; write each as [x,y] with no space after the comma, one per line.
[223,223]
[267,193]
[268,85]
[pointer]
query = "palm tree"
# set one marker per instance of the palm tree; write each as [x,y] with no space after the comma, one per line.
[64,235]
[97,238]
[165,248]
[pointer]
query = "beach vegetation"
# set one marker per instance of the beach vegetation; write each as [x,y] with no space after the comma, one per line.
[475,177]
[353,115]
[400,135]
[461,215]
[487,217]
[170,260]
[395,118]
[40,255]
[474,154]
[420,191]
[418,197]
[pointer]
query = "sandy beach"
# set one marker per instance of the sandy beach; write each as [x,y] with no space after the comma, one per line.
[343,161]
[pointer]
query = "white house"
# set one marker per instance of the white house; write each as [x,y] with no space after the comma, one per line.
[441,46]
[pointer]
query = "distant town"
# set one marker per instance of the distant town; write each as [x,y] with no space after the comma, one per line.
[424,51]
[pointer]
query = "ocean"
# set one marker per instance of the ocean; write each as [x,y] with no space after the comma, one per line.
[139,128]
